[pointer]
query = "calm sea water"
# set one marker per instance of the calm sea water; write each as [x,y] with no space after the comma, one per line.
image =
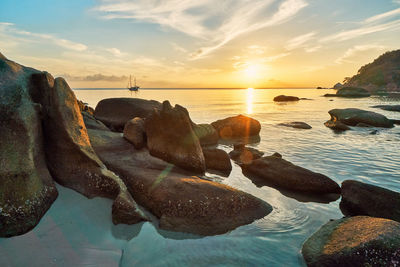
[78,230]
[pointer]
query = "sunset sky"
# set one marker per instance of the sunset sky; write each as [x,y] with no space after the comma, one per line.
[199,43]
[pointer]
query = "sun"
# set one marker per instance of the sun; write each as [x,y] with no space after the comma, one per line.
[252,71]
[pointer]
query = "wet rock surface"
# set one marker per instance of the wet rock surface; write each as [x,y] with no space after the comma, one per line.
[354,241]
[115,112]
[26,187]
[364,199]
[180,201]
[217,160]
[285,98]
[237,127]
[242,154]
[277,172]
[354,116]
[170,136]
[296,125]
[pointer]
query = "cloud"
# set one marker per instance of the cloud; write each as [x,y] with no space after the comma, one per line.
[351,34]
[212,23]
[11,29]
[351,53]
[95,78]
[385,15]
[114,51]
[299,41]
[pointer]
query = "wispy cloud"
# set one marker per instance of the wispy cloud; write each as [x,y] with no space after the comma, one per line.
[95,78]
[385,15]
[10,28]
[351,53]
[299,41]
[212,23]
[350,34]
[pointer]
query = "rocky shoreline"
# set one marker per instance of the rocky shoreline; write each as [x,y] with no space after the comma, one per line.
[150,158]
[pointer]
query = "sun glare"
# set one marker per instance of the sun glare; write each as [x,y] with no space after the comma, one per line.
[249,100]
[251,71]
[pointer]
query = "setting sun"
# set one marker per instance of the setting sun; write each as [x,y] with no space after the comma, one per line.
[252,71]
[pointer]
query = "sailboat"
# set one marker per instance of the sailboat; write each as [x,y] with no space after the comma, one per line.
[130,87]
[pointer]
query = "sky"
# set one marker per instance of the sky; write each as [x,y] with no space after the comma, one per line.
[199,43]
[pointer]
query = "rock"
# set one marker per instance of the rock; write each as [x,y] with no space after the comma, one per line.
[26,187]
[181,202]
[365,199]
[242,154]
[374,132]
[115,112]
[296,124]
[285,98]
[170,137]
[277,172]
[337,86]
[70,156]
[330,95]
[353,116]
[352,92]
[337,125]
[84,107]
[237,127]
[206,133]
[134,132]
[354,241]
[217,159]
[388,107]
[91,122]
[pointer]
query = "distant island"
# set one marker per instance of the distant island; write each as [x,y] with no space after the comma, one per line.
[383,74]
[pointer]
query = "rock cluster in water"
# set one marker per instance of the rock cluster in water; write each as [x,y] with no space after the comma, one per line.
[48,135]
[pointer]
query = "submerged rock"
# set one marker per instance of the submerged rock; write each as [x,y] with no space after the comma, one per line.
[242,154]
[26,187]
[134,132]
[217,159]
[352,92]
[277,172]
[206,133]
[237,127]
[354,116]
[365,199]
[285,98]
[296,124]
[115,112]
[181,202]
[388,107]
[337,125]
[70,156]
[354,241]
[170,137]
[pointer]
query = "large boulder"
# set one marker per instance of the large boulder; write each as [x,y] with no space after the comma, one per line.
[217,159]
[170,136]
[134,132]
[115,112]
[237,127]
[285,98]
[365,199]
[242,154]
[296,125]
[181,202]
[354,241]
[277,172]
[352,92]
[70,156]
[354,116]
[26,187]
[206,133]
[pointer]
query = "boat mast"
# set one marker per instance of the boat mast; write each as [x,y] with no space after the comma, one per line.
[130,81]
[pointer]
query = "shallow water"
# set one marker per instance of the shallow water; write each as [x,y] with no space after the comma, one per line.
[87,233]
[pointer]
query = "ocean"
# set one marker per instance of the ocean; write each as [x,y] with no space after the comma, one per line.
[79,231]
